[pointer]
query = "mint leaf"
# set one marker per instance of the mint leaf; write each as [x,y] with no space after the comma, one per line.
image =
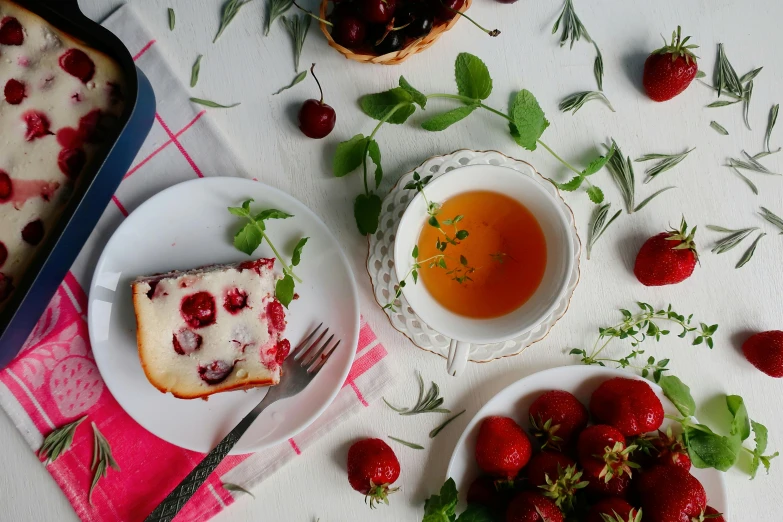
[349,155]
[529,120]
[376,106]
[375,155]
[249,238]
[710,450]
[272,213]
[447,119]
[239,211]
[417,96]
[760,435]
[598,163]
[679,393]
[284,290]
[595,194]
[472,77]
[440,508]
[296,257]
[367,211]
[476,513]
[740,424]
[571,185]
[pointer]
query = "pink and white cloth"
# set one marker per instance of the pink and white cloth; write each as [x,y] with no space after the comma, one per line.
[54,379]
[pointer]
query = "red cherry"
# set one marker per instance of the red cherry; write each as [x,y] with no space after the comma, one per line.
[37,125]
[316,119]
[283,348]
[276,315]
[349,30]
[14,92]
[186,342]
[76,63]
[3,253]
[6,187]
[6,286]
[71,162]
[235,300]
[215,372]
[198,309]
[378,11]
[444,9]
[11,32]
[33,232]
[257,265]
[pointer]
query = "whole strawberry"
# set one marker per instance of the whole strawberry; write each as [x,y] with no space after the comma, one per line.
[486,492]
[710,515]
[557,477]
[670,494]
[372,469]
[603,454]
[764,350]
[669,70]
[618,486]
[556,418]
[532,507]
[630,405]
[671,450]
[667,258]
[502,447]
[613,509]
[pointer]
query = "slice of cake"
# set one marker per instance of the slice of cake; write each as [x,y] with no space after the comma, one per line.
[211,329]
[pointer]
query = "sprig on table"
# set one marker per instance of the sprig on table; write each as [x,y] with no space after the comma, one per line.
[621,169]
[727,82]
[576,101]
[426,403]
[212,104]
[667,162]
[195,71]
[58,441]
[297,27]
[598,225]
[228,13]
[275,9]
[573,30]
[297,79]
[771,120]
[720,129]
[250,237]
[172,18]
[772,218]
[228,486]
[102,459]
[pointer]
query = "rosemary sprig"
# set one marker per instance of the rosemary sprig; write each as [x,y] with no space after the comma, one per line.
[773,118]
[750,163]
[734,237]
[172,19]
[719,128]
[598,225]
[297,27]
[748,255]
[195,71]
[58,441]
[747,77]
[722,103]
[429,403]
[744,178]
[230,10]
[669,161]
[726,78]
[576,101]
[102,459]
[621,170]
[297,79]
[573,29]
[228,486]
[598,69]
[210,103]
[651,197]
[406,443]
[746,103]
[275,8]
[434,432]
[772,218]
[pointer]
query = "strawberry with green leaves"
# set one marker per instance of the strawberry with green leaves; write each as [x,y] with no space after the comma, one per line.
[670,70]
[667,258]
[613,509]
[603,454]
[372,469]
[557,477]
[556,418]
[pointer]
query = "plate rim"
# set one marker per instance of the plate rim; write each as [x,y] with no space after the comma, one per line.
[354,294]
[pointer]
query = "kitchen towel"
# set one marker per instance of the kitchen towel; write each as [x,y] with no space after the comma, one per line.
[54,379]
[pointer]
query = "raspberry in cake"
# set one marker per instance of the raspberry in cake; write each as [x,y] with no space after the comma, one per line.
[211,329]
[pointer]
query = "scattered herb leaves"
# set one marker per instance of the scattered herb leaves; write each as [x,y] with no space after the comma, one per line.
[230,10]
[426,403]
[598,69]
[668,162]
[747,77]
[297,79]
[720,129]
[102,459]
[726,78]
[195,71]
[649,198]
[576,101]
[406,443]
[434,432]
[297,27]
[748,255]
[573,29]
[442,507]
[750,163]
[773,118]
[172,19]
[773,218]
[275,8]
[621,170]
[228,486]
[598,225]
[734,237]
[58,441]
[210,103]
[744,178]
[746,103]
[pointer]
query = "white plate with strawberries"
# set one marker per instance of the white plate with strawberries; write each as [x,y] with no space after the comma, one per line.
[580,382]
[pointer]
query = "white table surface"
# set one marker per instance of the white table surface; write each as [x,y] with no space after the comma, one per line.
[245,66]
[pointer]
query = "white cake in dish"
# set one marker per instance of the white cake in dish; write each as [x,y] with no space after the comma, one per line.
[60,103]
[211,329]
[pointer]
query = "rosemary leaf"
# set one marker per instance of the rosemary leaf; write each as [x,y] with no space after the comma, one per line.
[576,101]
[195,71]
[719,128]
[598,69]
[230,10]
[701,74]
[228,486]
[751,164]
[722,103]
[747,181]
[102,459]
[58,441]
[572,26]
[426,403]
[746,104]
[725,76]
[210,103]
[297,79]
[623,176]
[406,443]
[749,252]
[297,27]
[275,8]
[669,161]
[772,218]
[598,225]
[172,19]
[650,198]
[434,433]
[747,77]
[734,238]
[773,118]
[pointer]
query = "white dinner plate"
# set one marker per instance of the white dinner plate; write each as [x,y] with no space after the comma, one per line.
[188,226]
[515,400]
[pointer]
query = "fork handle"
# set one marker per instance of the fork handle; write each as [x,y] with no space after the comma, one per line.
[179,496]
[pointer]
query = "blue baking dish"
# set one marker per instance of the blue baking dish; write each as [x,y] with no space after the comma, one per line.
[37,286]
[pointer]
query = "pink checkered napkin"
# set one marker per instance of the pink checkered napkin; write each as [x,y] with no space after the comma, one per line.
[54,379]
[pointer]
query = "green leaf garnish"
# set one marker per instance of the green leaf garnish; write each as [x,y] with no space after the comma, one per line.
[772,218]
[230,10]
[773,118]
[249,238]
[297,27]
[406,443]
[668,162]
[529,121]
[58,441]
[275,8]
[210,103]
[472,75]
[748,255]
[102,459]
[598,225]
[760,436]
[378,105]
[284,290]
[228,486]
[595,194]
[740,424]
[296,257]
[576,101]
[734,238]
[416,96]
[195,71]
[720,129]
[299,78]
[679,393]
[426,403]
[598,163]
[374,152]
[367,211]
[439,428]
[440,508]
[349,155]
[572,184]
[172,19]
[710,450]
[447,119]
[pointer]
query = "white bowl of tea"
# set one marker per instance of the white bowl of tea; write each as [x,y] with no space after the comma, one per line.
[483,254]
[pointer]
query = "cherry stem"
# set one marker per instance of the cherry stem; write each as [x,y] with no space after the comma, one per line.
[493,32]
[330,24]
[312,71]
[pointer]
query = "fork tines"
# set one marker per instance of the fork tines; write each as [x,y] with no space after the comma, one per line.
[314,355]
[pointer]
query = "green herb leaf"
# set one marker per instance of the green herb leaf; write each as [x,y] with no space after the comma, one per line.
[296,257]
[700,75]
[272,213]
[529,120]
[576,101]
[750,76]
[172,19]
[650,198]
[297,27]
[378,105]
[230,10]
[719,128]
[710,450]
[297,79]
[102,459]
[748,255]
[772,218]
[598,225]
[572,27]
[228,486]
[595,194]
[669,161]
[249,238]
[367,211]
[434,432]
[440,508]
[58,441]
[472,75]
[721,103]
[476,513]
[374,151]
[275,8]
[734,238]
[726,78]
[622,173]
[760,436]
[426,403]
[679,393]
[747,181]
[210,103]
[194,72]
[447,119]
[746,104]
[598,163]
[416,95]
[284,290]
[349,155]
[572,184]
[740,424]
[773,117]
[598,70]
[406,443]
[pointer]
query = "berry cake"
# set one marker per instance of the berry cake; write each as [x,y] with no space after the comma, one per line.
[59,102]
[211,329]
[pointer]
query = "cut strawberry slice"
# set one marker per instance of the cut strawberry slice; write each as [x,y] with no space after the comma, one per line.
[71,161]
[11,32]
[14,92]
[76,63]
[37,125]
[33,232]
[6,187]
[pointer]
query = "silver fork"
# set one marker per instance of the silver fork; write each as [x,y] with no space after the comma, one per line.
[301,366]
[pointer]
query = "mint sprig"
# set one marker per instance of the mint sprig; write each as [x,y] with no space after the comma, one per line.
[442,507]
[250,237]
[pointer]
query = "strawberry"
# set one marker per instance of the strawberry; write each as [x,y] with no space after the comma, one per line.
[613,509]
[502,448]
[11,32]
[667,258]
[372,469]
[671,450]
[532,507]
[557,476]
[764,350]
[485,492]
[710,514]
[669,70]
[556,418]
[670,494]
[617,487]
[629,405]
[603,454]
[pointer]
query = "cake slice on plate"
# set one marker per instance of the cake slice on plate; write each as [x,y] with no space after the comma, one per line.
[211,329]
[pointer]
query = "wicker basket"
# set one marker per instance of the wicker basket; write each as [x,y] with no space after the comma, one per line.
[396,57]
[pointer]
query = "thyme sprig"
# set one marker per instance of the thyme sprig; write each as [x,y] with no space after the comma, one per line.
[426,403]
[58,441]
